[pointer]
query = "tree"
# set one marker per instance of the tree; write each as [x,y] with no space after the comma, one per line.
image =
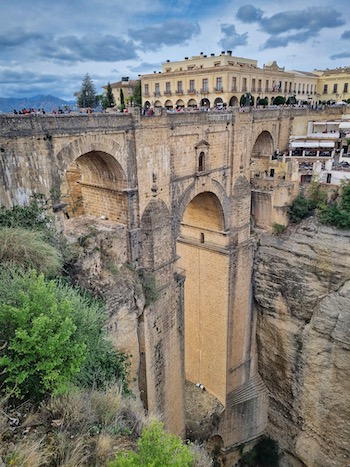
[136,97]
[109,100]
[122,101]
[279,100]
[246,100]
[87,96]
[156,448]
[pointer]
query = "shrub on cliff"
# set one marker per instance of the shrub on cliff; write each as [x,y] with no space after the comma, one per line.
[299,209]
[156,448]
[52,336]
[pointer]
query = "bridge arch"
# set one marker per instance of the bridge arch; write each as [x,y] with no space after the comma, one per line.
[263,145]
[202,243]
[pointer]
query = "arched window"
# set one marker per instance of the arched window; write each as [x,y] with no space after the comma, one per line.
[201,162]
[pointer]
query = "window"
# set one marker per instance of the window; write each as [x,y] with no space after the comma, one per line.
[335,88]
[346,87]
[253,85]
[259,85]
[167,88]
[192,86]
[244,85]
[234,84]
[219,84]
[267,86]
[205,85]
[146,89]
[201,160]
[325,88]
[156,89]
[179,86]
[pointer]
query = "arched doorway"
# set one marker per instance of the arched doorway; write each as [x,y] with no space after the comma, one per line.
[205,103]
[94,185]
[157,105]
[180,104]
[233,101]
[168,104]
[219,103]
[201,246]
[192,103]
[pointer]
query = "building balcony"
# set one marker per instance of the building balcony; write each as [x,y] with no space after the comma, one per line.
[167,93]
[219,89]
[234,89]
[204,90]
[179,91]
[253,89]
[259,90]
[244,89]
[191,91]
[147,94]
[157,94]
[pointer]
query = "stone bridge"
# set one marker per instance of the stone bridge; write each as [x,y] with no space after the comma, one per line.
[180,186]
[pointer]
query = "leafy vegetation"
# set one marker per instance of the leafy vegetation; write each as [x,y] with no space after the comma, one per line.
[278,228]
[108,100]
[336,214]
[279,100]
[156,448]
[51,336]
[299,209]
[246,100]
[87,96]
[264,454]
[136,97]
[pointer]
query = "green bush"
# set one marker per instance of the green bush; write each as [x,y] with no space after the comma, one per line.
[278,228]
[338,215]
[31,216]
[40,351]
[299,209]
[156,448]
[51,335]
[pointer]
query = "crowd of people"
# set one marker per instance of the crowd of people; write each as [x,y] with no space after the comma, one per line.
[41,111]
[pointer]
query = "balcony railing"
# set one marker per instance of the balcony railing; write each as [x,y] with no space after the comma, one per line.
[157,93]
[179,91]
[259,90]
[204,90]
[234,89]
[220,89]
[167,92]
[253,89]
[191,91]
[244,89]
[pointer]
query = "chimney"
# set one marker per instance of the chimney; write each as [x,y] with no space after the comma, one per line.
[223,52]
[212,55]
[186,58]
[229,52]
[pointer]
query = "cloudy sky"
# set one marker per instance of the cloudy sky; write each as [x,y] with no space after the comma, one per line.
[47,46]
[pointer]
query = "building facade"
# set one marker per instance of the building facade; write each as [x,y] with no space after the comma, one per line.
[216,81]
[126,85]
[333,85]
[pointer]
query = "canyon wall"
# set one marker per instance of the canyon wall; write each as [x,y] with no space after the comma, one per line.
[302,296]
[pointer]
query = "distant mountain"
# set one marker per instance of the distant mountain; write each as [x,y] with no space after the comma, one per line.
[8,104]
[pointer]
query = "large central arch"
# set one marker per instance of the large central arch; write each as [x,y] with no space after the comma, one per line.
[201,246]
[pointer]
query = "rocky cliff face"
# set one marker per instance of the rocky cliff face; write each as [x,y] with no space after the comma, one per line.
[302,295]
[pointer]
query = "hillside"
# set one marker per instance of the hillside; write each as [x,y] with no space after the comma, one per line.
[8,104]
